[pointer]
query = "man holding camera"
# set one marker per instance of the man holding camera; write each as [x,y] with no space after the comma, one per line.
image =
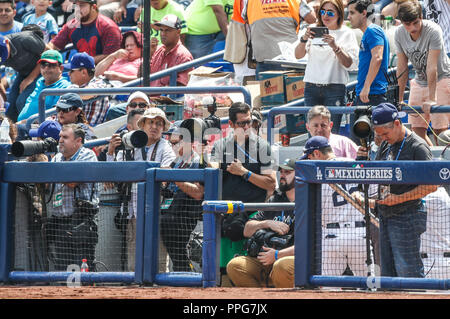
[400,207]
[267,265]
[246,162]
[71,231]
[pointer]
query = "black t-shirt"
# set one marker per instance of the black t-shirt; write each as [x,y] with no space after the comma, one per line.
[255,156]
[285,216]
[414,149]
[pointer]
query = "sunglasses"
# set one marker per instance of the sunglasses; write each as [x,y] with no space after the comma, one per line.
[328,13]
[58,109]
[48,64]
[243,123]
[141,105]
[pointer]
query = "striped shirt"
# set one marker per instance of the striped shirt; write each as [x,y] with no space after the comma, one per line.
[61,203]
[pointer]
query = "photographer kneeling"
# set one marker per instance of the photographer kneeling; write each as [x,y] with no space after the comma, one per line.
[270,247]
[71,230]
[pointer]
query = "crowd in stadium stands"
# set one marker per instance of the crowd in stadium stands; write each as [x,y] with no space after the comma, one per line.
[34,35]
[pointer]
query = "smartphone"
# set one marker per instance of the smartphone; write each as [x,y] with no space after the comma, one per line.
[319,31]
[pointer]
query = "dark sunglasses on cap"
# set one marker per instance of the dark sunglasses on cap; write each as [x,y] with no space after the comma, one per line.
[58,109]
[141,105]
[327,12]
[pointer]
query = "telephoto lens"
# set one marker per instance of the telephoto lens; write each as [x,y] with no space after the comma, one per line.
[28,148]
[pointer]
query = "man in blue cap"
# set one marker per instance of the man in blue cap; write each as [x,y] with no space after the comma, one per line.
[82,74]
[48,128]
[400,207]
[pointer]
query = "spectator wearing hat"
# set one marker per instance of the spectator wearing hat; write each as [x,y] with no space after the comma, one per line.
[21,51]
[51,71]
[69,110]
[82,74]
[137,99]
[154,122]
[271,266]
[171,53]
[92,32]
[400,207]
[123,65]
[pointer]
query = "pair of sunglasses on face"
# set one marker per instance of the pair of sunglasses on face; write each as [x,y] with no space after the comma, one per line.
[327,12]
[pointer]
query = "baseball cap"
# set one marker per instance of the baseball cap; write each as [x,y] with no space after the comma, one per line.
[80,60]
[314,143]
[69,100]
[174,128]
[171,21]
[51,56]
[152,113]
[384,113]
[3,50]
[288,164]
[140,95]
[48,128]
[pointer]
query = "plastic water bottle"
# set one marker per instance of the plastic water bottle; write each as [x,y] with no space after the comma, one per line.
[4,132]
[84,266]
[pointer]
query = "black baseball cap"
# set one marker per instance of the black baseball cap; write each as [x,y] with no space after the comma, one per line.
[69,100]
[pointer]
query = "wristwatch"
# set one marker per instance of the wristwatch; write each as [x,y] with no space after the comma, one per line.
[303,41]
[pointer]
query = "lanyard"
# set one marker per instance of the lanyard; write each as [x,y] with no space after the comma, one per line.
[246,154]
[400,149]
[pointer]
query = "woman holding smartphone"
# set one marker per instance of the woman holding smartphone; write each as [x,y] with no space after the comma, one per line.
[326,73]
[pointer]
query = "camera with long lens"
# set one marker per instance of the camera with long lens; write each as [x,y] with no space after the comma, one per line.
[362,128]
[29,148]
[197,127]
[132,139]
[267,238]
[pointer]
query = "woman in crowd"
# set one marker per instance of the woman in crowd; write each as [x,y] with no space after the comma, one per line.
[329,60]
[123,65]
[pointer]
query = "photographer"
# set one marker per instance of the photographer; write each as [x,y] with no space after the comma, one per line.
[400,207]
[182,200]
[248,176]
[71,230]
[266,265]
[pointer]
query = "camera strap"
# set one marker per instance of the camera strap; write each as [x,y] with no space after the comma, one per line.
[153,156]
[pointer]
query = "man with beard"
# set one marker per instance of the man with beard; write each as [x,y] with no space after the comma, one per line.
[89,32]
[271,266]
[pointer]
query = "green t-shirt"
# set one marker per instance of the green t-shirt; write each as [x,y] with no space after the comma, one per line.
[157,15]
[201,19]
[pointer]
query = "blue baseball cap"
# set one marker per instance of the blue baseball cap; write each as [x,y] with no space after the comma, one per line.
[314,143]
[3,50]
[80,60]
[69,100]
[49,128]
[384,113]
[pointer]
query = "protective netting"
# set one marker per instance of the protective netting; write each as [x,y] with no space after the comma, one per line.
[105,233]
[411,239]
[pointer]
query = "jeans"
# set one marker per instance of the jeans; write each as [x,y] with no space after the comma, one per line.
[201,45]
[400,243]
[328,95]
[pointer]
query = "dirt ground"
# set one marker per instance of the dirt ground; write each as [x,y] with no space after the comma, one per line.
[136,292]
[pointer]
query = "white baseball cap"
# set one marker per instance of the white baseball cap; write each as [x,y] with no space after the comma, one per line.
[171,21]
[138,94]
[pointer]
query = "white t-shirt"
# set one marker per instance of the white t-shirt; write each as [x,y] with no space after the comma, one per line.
[323,66]
[438,11]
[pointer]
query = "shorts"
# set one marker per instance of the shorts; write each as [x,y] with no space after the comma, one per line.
[419,94]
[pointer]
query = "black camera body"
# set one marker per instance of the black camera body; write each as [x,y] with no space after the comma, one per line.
[29,148]
[267,238]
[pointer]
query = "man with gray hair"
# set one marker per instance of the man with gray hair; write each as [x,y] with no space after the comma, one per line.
[71,231]
[319,124]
